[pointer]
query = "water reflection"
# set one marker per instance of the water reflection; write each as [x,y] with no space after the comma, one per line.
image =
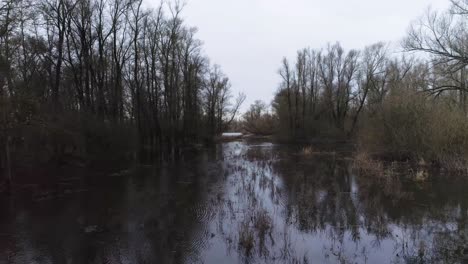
[242,203]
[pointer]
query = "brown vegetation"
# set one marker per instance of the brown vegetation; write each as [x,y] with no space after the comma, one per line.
[368,166]
[396,107]
[258,120]
[410,126]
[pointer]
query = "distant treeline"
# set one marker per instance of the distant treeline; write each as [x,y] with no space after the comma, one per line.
[96,79]
[398,104]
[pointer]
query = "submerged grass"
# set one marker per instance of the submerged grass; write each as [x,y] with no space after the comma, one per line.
[368,166]
[246,239]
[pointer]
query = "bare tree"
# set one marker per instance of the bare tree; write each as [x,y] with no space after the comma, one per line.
[444,36]
[108,64]
[258,120]
[372,79]
[287,77]
[337,72]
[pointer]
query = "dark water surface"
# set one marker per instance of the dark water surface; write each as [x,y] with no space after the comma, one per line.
[240,203]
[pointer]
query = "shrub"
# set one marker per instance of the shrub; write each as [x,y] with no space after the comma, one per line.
[258,120]
[412,126]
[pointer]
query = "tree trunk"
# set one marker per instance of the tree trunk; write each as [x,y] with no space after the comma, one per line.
[9,180]
[463,89]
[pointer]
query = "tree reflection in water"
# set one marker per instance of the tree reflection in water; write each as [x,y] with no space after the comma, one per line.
[243,202]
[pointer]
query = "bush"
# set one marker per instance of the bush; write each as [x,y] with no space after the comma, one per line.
[317,124]
[412,126]
[39,137]
[258,120]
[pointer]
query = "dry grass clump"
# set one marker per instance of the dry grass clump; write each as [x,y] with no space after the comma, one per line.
[307,151]
[421,175]
[368,166]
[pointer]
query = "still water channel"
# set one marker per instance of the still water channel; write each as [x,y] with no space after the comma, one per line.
[241,202]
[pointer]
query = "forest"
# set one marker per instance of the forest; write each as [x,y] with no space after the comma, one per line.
[86,81]
[397,103]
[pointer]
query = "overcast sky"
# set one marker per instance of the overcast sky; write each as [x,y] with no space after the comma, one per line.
[248,38]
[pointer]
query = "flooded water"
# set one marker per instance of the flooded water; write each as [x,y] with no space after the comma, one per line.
[240,203]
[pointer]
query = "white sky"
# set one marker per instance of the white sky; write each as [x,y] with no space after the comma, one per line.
[248,38]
